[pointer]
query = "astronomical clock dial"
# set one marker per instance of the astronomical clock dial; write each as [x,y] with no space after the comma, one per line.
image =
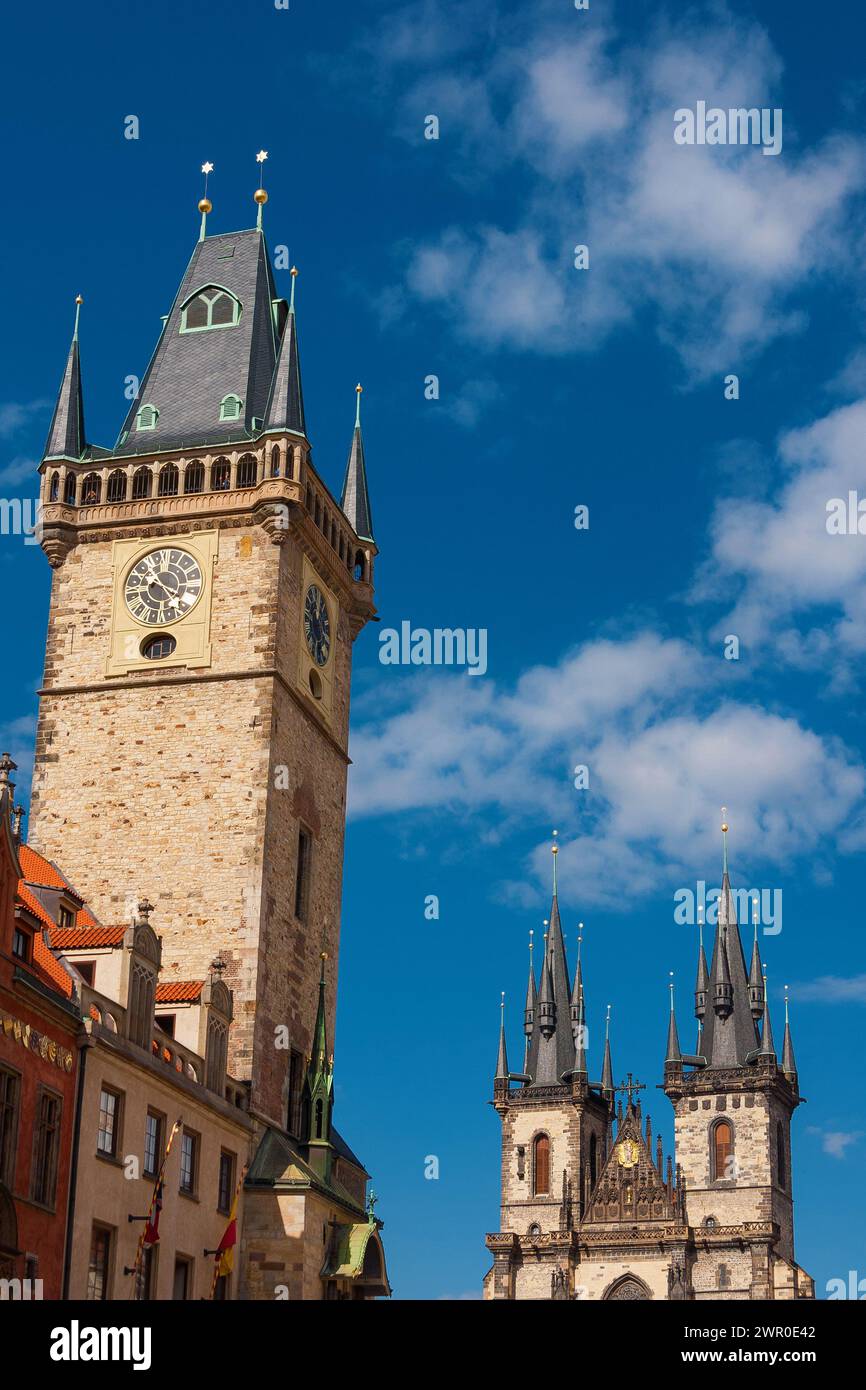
[163,586]
[317,625]
[627,1153]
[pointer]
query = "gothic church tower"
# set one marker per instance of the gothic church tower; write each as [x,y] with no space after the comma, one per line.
[207,588]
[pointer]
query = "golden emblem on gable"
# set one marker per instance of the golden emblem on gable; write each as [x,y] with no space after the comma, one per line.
[627,1153]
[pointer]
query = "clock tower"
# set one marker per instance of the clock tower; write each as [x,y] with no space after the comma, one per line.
[207,588]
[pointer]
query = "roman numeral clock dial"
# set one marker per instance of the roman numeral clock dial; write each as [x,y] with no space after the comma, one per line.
[163,586]
[317,625]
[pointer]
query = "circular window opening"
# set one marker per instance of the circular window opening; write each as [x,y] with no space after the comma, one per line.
[156,648]
[316,685]
[710,1223]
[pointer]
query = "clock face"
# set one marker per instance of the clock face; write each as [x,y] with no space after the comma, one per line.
[163,586]
[317,625]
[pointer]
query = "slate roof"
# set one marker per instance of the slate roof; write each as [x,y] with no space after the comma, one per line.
[729,1039]
[190,373]
[66,434]
[355,500]
[286,405]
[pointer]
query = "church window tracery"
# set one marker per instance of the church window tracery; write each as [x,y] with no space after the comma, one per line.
[211,307]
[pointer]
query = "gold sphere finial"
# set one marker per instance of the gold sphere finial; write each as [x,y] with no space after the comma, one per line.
[260,196]
[293,272]
[205,205]
[359,388]
[79,299]
[324,956]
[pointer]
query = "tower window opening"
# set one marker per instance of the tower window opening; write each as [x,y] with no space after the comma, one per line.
[319,1118]
[230,407]
[359,565]
[247,471]
[69,490]
[302,873]
[117,486]
[54,490]
[211,307]
[141,484]
[169,481]
[541,1165]
[146,418]
[158,648]
[275,461]
[780,1156]
[220,476]
[91,489]
[721,1150]
[194,478]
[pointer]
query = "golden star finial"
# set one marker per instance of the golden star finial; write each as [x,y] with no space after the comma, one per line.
[207,167]
[261,156]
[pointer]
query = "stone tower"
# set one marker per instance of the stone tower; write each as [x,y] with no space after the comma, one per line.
[592,1213]
[207,589]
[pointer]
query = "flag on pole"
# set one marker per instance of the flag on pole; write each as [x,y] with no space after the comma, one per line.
[151,1230]
[224,1255]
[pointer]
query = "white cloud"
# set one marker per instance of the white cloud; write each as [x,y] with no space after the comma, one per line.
[831,989]
[18,471]
[836,1142]
[15,415]
[716,238]
[800,591]
[663,753]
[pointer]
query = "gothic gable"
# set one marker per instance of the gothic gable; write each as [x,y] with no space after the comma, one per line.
[631,1187]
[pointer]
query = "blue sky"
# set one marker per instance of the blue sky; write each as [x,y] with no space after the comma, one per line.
[558,387]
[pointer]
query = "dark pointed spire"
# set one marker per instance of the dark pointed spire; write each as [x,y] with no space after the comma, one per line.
[702,983]
[66,437]
[546,1009]
[529,1010]
[285,409]
[756,977]
[355,500]
[767,1048]
[502,1059]
[579,1065]
[730,1032]
[320,1073]
[577,990]
[673,1053]
[789,1065]
[607,1069]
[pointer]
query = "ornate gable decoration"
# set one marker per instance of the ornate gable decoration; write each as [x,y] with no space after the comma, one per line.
[630,1187]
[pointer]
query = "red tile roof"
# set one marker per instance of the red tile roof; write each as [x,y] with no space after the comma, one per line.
[85,938]
[32,903]
[179,991]
[50,966]
[41,871]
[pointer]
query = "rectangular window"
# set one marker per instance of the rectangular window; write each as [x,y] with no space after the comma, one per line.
[108,1137]
[46,1147]
[98,1269]
[226,1192]
[21,944]
[10,1097]
[87,971]
[145,1279]
[296,1088]
[65,918]
[154,1130]
[167,1022]
[188,1162]
[302,873]
[182,1288]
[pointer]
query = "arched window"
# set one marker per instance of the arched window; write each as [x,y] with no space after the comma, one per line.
[247,471]
[91,489]
[780,1156]
[211,307]
[541,1165]
[319,1119]
[194,477]
[146,417]
[54,490]
[721,1150]
[275,461]
[230,407]
[117,486]
[360,566]
[593,1160]
[169,481]
[220,476]
[69,490]
[141,484]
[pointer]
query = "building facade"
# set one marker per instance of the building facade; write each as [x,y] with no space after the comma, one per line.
[207,589]
[39,1027]
[590,1208]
